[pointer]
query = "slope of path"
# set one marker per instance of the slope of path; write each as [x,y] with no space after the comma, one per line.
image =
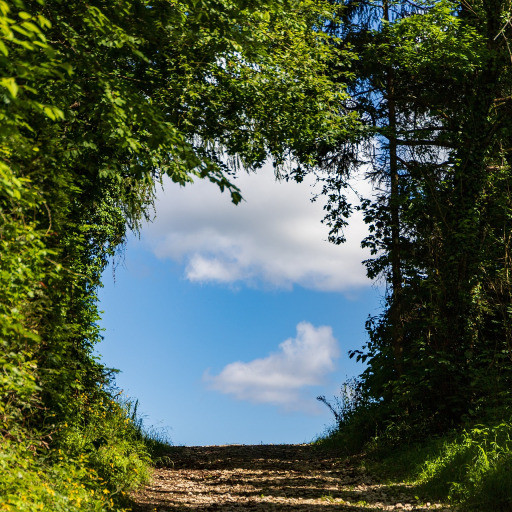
[277,478]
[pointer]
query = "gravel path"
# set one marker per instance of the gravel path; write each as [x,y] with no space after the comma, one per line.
[276,478]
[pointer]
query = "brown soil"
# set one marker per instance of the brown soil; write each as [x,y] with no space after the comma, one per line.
[280,478]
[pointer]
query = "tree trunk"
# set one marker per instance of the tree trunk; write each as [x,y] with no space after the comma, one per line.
[394,209]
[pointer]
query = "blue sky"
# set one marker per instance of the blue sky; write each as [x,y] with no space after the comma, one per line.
[227,321]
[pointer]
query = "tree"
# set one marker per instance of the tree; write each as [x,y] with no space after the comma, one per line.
[98,101]
[431,84]
[103,98]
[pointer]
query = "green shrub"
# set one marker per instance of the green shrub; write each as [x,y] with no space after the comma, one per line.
[357,421]
[31,482]
[90,466]
[106,432]
[474,468]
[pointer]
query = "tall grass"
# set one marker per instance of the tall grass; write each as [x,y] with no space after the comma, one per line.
[89,465]
[474,468]
[470,466]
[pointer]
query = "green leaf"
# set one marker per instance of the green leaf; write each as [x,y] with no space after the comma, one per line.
[53,113]
[11,85]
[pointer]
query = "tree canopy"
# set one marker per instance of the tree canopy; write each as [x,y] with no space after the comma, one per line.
[98,101]
[432,88]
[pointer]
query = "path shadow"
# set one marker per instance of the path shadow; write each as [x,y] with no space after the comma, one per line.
[261,478]
[271,457]
[256,506]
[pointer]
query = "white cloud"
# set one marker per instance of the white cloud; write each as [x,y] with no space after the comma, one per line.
[275,237]
[279,378]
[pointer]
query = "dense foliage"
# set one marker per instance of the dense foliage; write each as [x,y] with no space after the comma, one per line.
[99,100]
[433,89]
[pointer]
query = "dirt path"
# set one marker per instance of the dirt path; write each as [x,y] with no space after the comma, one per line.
[280,478]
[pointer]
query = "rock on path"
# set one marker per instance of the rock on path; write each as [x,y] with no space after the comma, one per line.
[284,478]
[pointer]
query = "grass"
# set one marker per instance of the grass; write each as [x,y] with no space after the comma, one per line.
[474,468]
[35,481]
[471,468]
[91,465]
